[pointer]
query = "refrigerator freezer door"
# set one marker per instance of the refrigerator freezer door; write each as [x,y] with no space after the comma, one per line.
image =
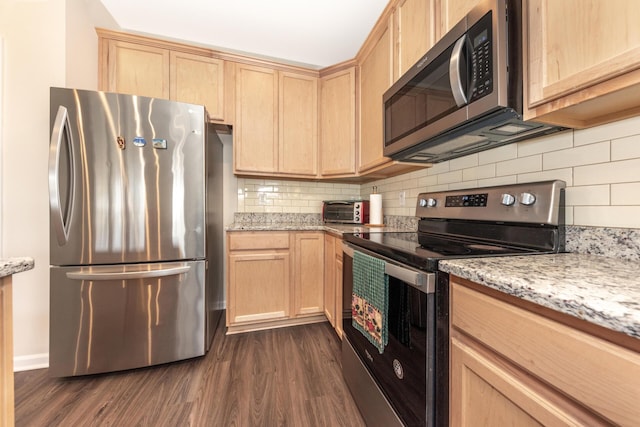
[126,177]
[111,318]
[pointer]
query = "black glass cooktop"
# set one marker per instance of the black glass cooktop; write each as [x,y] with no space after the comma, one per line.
[423,251]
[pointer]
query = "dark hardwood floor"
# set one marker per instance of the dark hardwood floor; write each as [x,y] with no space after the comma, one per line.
[281,377]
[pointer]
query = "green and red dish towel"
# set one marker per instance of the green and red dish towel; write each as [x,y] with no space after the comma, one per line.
[369,300]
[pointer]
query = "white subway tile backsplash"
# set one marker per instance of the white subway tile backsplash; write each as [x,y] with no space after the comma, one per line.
[449,177]
[583,155]
[568,215]
[546,144]
[427,181]
[463,185]
[619,129]
[591,195]
[520,165]
[607,216]
[625,148]
[479,172]
[506,152]
[625,194]
[561,174]
[501,180]
[439,168]
[464,162]
[612,172]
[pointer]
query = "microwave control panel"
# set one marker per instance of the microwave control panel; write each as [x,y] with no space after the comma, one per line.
[481,58]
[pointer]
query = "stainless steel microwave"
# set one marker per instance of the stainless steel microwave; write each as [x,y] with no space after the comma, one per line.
[465,94]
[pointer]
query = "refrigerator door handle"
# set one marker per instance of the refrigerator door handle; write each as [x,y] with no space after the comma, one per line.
[60,217]
[127,275]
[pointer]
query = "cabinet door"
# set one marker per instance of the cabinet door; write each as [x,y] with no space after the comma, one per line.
[567,56]
[298,124]
[375,79]
[339,296]
[415,33]
[256,123]
[198,80]
[588,371]
[330,279]
[309,273]
[488,391]
[450,12]
[258,286]
[138,69]
[338,123]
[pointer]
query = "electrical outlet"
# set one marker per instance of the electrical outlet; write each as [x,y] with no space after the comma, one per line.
[402,198]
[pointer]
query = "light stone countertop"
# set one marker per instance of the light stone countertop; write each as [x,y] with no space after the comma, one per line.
[330,227]
[601,290]
[11,266]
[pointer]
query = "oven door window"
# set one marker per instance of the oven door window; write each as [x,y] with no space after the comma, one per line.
[400,370]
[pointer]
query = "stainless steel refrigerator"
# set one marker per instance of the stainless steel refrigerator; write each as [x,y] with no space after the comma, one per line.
[135,193]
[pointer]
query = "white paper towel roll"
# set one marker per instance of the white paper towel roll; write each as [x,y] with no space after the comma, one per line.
[375,209]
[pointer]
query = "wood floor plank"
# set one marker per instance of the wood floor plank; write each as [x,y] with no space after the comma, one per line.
[281,377]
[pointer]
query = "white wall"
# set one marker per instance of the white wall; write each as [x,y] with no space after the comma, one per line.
[46,43]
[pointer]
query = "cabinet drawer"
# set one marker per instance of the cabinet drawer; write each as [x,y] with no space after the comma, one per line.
[247,240]
[596,373]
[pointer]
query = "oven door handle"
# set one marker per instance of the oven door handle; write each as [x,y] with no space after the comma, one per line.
[423,281]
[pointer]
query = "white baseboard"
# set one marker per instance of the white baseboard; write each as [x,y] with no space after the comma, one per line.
[30,362]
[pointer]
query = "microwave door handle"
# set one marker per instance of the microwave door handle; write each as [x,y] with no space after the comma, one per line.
[455,79]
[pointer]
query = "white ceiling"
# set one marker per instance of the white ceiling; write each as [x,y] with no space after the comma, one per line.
[312,32]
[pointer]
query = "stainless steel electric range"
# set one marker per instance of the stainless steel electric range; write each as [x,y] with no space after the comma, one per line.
[407,383]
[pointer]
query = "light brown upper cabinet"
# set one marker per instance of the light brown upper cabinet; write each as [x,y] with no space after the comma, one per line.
[414,33]
[582,61]
[136,69]
[188,71]
[276,122]
[298,124]
[338,122]
[255,145]
[375,78]
[449,12]
[149,67]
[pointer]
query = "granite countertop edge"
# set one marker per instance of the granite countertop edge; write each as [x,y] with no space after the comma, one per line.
[333,228]
[604,291]
[9,266]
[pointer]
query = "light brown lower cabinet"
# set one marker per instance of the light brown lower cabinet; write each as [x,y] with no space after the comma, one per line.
[330,279]
[333,281]
[338,281]
[274,279]
[513,364]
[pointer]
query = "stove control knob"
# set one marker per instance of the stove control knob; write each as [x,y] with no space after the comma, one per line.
[527,199]
[429,203]
[508,199]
